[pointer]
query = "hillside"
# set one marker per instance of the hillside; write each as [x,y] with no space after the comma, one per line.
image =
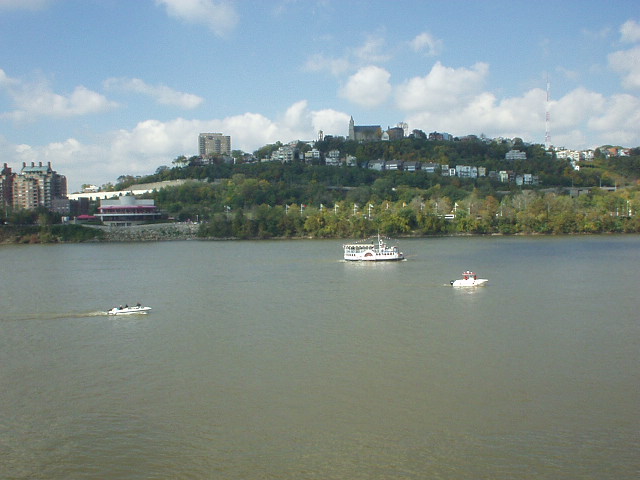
[273,199]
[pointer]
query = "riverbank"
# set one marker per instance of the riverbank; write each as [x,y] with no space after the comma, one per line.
[149,233]
[28,234]
[161,232]
[32,234]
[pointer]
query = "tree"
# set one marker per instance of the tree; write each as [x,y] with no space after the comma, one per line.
[181,161]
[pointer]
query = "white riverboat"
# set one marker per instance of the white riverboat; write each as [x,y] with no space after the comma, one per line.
[469,279]
[127,310]
[372,252]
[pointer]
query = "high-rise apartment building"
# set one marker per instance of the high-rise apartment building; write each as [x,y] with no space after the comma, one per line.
[211,144]
[35,186]
[6,186]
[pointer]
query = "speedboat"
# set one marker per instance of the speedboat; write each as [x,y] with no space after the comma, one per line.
[372,252]
[469,279]
[127,310]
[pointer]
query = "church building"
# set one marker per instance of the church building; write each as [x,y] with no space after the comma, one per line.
[364,133]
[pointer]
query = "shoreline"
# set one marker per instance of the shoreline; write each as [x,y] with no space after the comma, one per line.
[164,232]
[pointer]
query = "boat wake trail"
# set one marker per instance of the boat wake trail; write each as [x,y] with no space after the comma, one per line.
[97,313]
[53,316]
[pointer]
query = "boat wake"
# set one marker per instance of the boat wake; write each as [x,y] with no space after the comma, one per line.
[53,316]
[97,313]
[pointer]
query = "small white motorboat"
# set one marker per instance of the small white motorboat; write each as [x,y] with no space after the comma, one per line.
[127,310]
[469,279]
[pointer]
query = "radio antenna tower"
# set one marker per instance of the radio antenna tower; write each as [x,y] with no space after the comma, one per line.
[547,118]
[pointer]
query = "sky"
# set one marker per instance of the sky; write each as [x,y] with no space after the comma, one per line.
[105,88]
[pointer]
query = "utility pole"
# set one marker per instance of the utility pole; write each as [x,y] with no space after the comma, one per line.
[547,119]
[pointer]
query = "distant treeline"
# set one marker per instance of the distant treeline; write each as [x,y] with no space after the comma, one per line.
[524,213]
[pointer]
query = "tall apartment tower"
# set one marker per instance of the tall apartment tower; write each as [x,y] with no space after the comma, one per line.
[6,186]
[211,144]
[37,186]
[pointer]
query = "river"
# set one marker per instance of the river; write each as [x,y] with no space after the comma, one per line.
[277,360]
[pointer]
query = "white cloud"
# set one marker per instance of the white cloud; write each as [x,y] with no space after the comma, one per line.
[68,157]
[161,93]
[627,63]
[152,143]
[296,114]
[319,62]
[441,88]
[483,113]
[33,100]
[331,122]
[600,34]
[453,101]
[373,50]
[219,16]
[6,81]
[368,87]
[579,119]
[302,124]
[618,120]
[575,107]
[23,4]
[572,75]
[427,43]
[630,32]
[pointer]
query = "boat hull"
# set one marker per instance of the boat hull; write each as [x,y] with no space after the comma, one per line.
[129,311]
[375,258]
[478,282]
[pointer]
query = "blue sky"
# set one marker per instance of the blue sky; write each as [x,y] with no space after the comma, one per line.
[103,88]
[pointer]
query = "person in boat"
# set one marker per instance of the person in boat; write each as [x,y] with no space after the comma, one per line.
[138,305]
